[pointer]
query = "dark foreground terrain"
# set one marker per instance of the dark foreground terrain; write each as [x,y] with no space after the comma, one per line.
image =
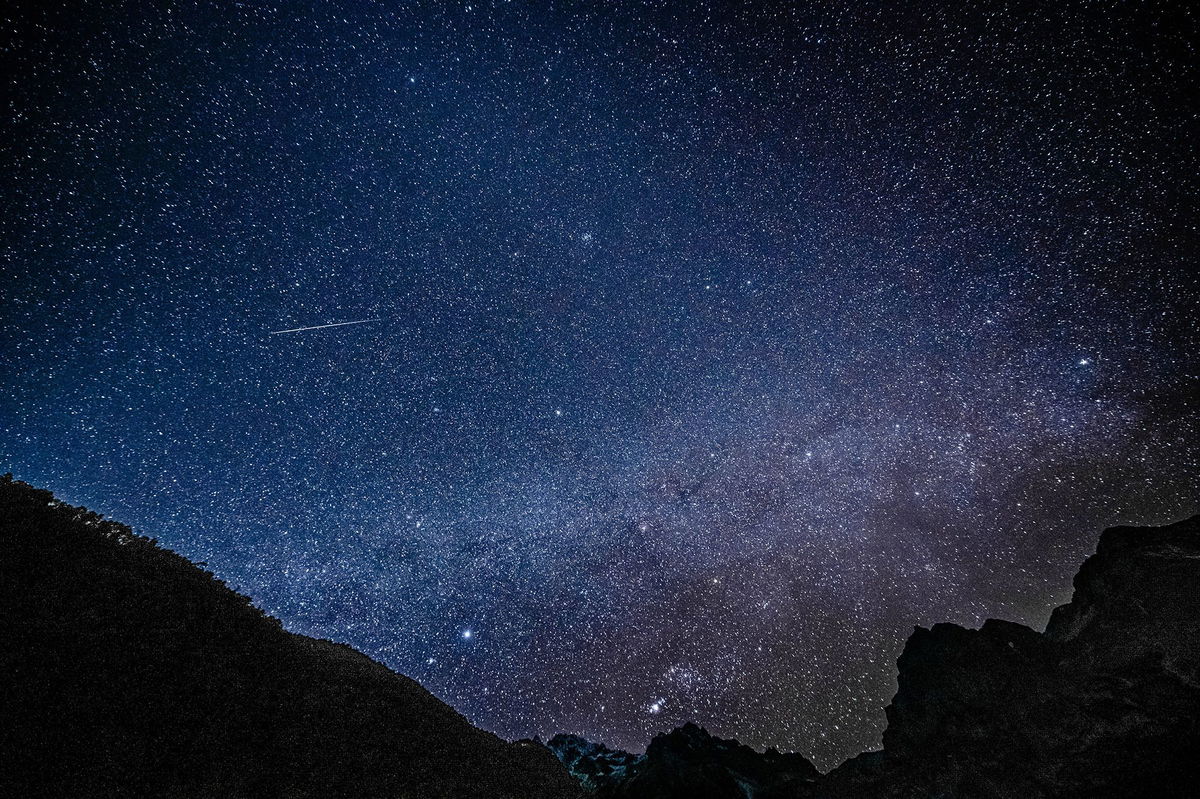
[1104,703]
[129,671]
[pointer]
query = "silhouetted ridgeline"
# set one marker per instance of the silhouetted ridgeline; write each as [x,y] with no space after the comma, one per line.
[686,763]
[1105,703]
[129,672]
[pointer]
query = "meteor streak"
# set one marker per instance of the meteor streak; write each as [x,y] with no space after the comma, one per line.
[320,327]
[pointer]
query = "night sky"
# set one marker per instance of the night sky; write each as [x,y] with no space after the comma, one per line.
[716,346]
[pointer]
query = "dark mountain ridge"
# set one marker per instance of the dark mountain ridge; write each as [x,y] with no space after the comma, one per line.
[1104,703]
[129,672]
[686,763]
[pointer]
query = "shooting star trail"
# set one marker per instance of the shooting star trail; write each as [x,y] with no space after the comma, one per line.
[321,327]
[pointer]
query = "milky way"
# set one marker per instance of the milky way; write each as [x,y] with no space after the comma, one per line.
[718,346]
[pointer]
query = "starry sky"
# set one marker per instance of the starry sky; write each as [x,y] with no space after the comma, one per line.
[716,345]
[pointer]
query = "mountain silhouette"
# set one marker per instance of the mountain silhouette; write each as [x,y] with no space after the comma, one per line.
[686,763]
[1104,703]
[131,672]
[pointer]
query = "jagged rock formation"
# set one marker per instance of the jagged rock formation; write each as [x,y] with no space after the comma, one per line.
[1105,703]
[599,768]
[128,672]
[686,763]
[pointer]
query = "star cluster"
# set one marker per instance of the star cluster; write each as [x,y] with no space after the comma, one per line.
[717,344]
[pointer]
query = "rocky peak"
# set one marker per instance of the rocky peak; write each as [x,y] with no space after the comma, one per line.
[685,763]
[1139,594]
[596,766]
[1104,703]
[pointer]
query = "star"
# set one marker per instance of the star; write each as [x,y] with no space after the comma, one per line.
[717,265]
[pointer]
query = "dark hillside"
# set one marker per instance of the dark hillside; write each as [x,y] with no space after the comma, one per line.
[129,671]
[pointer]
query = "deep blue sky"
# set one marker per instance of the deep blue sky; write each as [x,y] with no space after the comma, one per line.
[719,345]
